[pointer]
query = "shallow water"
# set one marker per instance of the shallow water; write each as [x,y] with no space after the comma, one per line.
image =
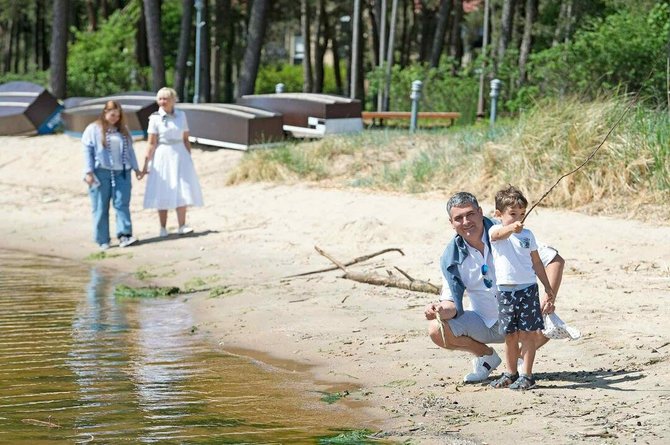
[78,365]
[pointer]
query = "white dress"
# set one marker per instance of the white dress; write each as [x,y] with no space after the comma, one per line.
[172,181]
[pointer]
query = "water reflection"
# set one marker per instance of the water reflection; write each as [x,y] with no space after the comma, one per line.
[77,364]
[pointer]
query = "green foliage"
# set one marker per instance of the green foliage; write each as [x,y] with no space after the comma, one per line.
[548,139]
[123,291]
[103,62]
[171,12]
[624,52]
[291,76]
[270,75]
[441,90]
[37,77]
[228,291]
[332,397]
[143,274]
[352,437]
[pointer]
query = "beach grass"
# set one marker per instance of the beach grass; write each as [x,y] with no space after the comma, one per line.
[628,174]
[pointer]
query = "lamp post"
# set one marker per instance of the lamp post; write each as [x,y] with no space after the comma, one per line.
[415,95]
[354,48]
[198,24]
[495,92]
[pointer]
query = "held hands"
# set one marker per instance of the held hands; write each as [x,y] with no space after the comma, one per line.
[139,174]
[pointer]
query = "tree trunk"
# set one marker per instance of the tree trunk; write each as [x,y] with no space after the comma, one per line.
[222,22]
[58,71]
[506,26]
[229,59]
[184,48]
[440,32]
[360,67]
[141,53]
[427,28]
[375,15]
[335,47]
[321,45]
[252,53]
[205,49]
[153,23]
[527,40]
[104,9]
[27,43]
[91,14]
[305,26]
[6,34]
[408,30]
[456,41]
[16,39]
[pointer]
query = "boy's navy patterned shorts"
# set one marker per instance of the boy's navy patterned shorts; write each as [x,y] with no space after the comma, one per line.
[519,310]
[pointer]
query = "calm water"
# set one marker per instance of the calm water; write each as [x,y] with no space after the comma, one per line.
[78,365]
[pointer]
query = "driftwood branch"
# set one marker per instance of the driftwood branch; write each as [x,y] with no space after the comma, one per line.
[360,259]
[391,281]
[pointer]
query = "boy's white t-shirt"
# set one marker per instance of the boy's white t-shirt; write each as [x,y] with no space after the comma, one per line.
[511,256]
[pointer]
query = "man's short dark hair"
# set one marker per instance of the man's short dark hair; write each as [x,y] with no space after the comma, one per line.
[461,199]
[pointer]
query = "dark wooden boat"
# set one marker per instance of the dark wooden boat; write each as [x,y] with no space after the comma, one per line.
[309,114]
[27,108]
[231,126]
[137,107]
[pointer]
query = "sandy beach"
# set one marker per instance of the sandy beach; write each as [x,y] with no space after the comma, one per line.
[609,387]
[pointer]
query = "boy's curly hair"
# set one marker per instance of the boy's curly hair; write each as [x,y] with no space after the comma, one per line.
[510,197]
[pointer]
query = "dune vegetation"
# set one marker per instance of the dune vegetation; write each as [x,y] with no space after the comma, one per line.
[629,174]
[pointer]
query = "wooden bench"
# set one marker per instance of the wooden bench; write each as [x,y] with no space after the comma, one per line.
[381,116]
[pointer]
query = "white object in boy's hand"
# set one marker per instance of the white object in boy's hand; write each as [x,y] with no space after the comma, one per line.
[555,328]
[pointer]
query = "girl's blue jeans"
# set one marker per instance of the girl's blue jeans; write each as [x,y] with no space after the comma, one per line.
[119,195]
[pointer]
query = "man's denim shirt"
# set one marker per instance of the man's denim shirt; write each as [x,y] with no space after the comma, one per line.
[453,256]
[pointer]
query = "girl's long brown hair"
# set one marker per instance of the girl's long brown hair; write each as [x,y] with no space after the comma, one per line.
[120,125]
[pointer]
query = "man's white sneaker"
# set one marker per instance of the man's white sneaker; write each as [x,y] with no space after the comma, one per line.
[163,233]
[125,241]
[183,230]
[482,367]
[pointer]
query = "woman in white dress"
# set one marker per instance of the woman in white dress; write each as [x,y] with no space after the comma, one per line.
[172,182]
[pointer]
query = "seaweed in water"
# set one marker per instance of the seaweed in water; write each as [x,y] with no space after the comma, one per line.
[123,291]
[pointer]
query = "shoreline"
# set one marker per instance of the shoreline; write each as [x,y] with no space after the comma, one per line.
[373,339]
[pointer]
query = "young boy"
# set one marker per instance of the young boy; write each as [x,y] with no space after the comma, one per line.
[517,264]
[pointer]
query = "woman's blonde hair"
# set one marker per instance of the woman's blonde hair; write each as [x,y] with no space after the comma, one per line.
[167,93]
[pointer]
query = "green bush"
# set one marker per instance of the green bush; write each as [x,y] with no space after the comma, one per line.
[291,76]
[625,52]
[103,62]
[38,77]
[441,90]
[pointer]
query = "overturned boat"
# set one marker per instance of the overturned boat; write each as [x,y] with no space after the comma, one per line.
[137,107]
[310,114]
[27,109]
[231,126]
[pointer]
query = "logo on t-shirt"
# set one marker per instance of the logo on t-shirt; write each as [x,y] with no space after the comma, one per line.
[524,242]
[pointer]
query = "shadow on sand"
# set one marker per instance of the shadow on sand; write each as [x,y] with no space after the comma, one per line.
[600,378]
[174,236]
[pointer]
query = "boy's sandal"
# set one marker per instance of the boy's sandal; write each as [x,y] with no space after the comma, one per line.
[523,383]
[505,380]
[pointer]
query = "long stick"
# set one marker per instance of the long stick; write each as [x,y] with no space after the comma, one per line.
[348,263]
[593,153]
